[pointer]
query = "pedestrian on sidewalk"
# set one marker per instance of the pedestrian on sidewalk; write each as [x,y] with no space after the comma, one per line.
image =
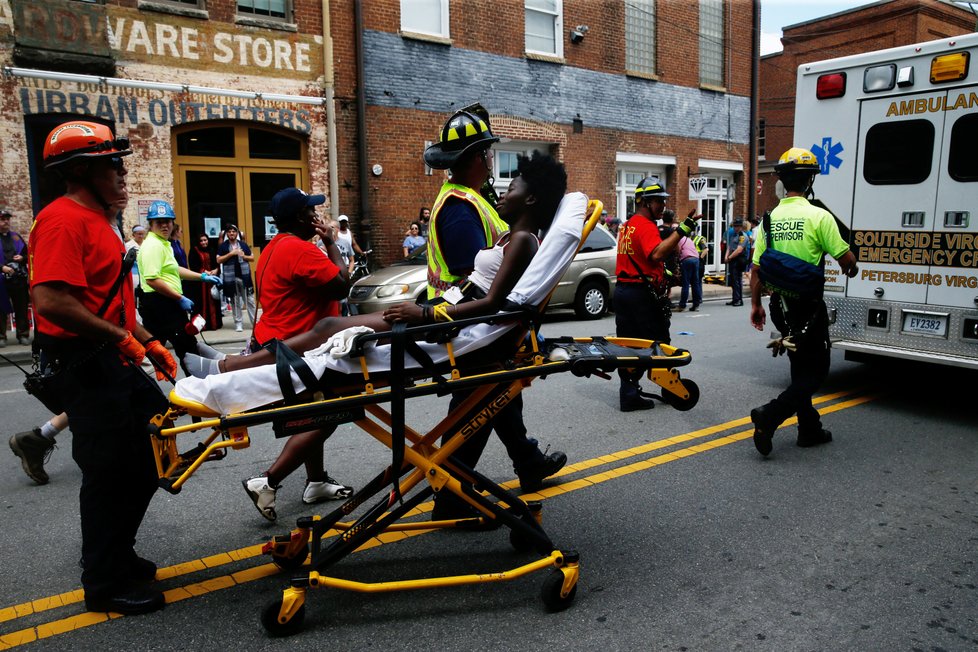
[14,294]
[689,267]
[736,260]
[235,256]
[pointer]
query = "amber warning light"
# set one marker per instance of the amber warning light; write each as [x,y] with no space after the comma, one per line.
[949,67]
[831,85]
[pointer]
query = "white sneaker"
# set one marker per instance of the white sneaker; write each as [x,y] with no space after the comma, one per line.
[317,492]
[263,495]
[238,328]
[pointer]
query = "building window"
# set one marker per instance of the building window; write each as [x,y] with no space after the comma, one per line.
[627,179]
[711,43]
[761,140]
[505,161]
[425,17]
[640,36]
[272,9]
[194,4]
[544,27]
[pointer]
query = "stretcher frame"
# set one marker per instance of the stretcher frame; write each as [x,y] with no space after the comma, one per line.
[420,466]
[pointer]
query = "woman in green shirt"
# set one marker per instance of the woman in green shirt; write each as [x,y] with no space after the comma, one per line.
[163,306]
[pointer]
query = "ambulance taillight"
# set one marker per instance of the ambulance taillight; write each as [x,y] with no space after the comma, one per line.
[831,85]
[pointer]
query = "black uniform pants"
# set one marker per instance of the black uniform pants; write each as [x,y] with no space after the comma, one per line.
[166,321]
[807,323]
[20,299]
[735,271]
[509,427]
[109,404]
[639,314]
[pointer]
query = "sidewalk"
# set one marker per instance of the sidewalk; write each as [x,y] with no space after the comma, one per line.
[21,354]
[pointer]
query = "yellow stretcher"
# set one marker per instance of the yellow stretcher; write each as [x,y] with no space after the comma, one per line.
[420,467]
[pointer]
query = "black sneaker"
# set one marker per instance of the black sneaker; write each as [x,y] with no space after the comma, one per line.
[33,449]
[763,432]
[539,468]
[814,438]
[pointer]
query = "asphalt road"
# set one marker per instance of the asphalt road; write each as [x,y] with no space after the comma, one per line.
[688,539]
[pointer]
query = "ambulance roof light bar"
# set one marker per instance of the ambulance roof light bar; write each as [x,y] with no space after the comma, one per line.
[830,85]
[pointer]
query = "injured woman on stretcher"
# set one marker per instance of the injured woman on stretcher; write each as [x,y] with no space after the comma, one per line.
[518,269]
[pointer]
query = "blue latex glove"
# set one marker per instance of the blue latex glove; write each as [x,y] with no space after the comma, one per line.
[186,304]
[210,278]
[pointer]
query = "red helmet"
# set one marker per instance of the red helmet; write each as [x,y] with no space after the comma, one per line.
[81,138]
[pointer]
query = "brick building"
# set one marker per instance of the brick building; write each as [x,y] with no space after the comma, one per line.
[877,26]
[222,100]
[226,101]
[616,90]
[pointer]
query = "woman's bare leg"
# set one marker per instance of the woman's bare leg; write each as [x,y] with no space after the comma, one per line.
[322,331]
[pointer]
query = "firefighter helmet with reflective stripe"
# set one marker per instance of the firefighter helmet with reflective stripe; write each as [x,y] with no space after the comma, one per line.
[466,130]
[82,139]
[797,159]
[648,188]
[160,210]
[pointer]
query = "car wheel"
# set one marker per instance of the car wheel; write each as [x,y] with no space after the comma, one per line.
[591,301]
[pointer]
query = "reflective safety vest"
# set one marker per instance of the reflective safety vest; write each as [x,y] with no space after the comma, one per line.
[439,278]
[700,243]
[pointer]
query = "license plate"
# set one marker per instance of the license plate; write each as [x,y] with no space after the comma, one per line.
[924,324]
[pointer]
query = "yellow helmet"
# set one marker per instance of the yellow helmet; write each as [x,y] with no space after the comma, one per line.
[797,159]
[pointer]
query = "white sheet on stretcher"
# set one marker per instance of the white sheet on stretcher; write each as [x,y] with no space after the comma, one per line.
[245,389]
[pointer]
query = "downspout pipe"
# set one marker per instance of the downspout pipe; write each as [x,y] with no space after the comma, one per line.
[365,225]
[755,67]
[329,87]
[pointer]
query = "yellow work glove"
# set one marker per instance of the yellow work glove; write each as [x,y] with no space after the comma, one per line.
[164,361]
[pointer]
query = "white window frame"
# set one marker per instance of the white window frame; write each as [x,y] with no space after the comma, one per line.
[625,188]
[558,21]
[443,11]
[521,148]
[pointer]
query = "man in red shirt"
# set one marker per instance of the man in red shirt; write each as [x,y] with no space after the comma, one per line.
[642,293]
[297,285]
[88,335]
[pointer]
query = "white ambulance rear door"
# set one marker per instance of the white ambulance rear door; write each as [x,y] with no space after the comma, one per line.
[956,216]
[895,194]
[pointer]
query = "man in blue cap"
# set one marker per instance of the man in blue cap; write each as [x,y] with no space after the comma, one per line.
[298,286]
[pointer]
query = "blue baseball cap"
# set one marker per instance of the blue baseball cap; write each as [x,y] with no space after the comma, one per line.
[289,201]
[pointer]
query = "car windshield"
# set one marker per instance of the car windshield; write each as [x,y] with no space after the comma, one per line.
[419,257]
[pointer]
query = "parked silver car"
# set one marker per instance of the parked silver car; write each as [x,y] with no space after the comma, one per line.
[586,286]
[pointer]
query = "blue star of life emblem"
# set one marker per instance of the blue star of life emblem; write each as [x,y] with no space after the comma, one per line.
[828,154]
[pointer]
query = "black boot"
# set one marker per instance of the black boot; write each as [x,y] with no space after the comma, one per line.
[537,467]
[764,428]
[813,437]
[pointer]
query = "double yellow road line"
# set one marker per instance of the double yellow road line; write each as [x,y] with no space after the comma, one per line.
[612,466]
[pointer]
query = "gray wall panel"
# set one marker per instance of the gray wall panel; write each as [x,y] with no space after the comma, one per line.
[407,74]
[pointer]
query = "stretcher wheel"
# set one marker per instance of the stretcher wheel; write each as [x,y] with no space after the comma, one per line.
[550,592]
[291,563]
[683,404]
[269,620]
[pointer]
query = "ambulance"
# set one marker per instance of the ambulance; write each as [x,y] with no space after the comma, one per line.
[896,136]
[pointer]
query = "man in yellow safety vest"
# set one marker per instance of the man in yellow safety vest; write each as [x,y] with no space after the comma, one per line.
[462,223]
